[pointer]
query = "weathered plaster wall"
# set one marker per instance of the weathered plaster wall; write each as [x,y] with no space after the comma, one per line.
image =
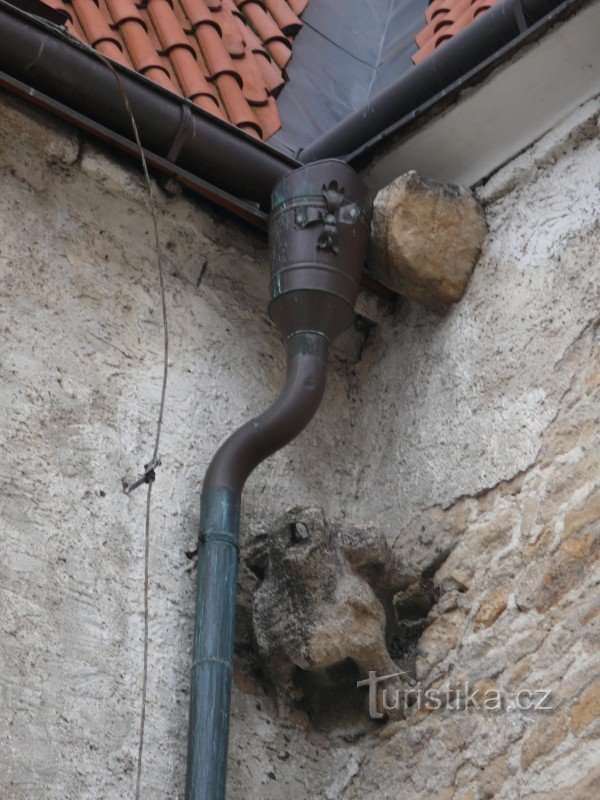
[471,438]
[461,399]
[81,364]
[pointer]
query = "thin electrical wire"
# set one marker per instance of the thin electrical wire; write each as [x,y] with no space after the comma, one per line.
[138,774]
[163,394]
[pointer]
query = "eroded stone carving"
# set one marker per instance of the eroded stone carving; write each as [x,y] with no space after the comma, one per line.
[325,595]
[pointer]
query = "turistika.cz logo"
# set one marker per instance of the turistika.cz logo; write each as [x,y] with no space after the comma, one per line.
[383,699]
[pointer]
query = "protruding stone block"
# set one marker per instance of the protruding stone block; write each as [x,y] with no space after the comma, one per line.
[325,596]
[426,239]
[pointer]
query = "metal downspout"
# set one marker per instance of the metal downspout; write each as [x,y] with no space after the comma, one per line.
[318,232]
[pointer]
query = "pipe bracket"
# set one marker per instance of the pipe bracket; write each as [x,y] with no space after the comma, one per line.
[336,210]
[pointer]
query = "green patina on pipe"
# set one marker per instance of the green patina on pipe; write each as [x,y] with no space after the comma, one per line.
[318,232]
[218,559]
[213,643]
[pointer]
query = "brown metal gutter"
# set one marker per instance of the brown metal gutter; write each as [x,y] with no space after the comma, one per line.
[43,63]
[251,212]
[40,61]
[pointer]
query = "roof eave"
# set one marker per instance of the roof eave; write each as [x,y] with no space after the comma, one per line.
[213,157]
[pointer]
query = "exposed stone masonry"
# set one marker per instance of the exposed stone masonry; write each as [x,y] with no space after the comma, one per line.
[519,608]
[426,238]
[325,595]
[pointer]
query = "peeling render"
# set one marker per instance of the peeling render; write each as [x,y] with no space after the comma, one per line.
[470,439]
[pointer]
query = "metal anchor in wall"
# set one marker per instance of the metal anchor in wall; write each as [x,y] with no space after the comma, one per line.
[338,211]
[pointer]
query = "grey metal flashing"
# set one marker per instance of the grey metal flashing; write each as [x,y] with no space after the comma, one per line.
[463,61]
[342,57]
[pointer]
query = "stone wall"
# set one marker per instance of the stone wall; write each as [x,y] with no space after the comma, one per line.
[470,438]
[484,467]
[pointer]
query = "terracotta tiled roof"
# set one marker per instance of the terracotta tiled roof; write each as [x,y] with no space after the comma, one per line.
[226,56]
[444,19]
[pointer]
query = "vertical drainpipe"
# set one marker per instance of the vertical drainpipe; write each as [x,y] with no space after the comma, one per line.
[318,232]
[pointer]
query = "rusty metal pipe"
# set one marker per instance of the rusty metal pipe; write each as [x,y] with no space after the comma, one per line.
[318,233]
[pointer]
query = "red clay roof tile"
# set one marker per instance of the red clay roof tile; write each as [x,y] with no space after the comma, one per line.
[215,53]
[198,13]
[284,17]
[226,56]
[232,36]
[237,108]
[253,84]
[298,6]
[121,10]
[272,75]
[444,19]
[169,31]
[94,25]
[267,116]
[281,51]
[275,41]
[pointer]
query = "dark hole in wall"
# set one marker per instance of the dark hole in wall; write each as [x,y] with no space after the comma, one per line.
[331,699]
[411,608]
[258,570]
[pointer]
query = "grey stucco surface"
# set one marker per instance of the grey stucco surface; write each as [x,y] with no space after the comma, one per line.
[453,403]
